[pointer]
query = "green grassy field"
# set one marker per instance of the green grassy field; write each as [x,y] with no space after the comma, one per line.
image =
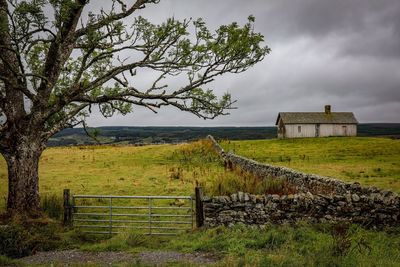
[369,161]
[175,169]
[123,170]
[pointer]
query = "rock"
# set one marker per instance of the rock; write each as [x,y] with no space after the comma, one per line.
[234,197]
[378,197]
[355,197]
[238,205]
[387,200]
[213,205]
[217,200]
[373,189]
[355,186]
[228,213]
[275,197]
[227,199]
[206,199]
[225,218]
[246,197]
[240,196]
[267,198]
[338,198]
[259,206]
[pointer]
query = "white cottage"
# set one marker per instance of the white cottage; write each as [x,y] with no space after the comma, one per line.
[316,124]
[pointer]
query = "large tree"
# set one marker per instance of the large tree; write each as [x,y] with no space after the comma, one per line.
[58,60]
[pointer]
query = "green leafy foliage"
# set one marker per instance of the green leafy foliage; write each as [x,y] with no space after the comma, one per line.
[93,69]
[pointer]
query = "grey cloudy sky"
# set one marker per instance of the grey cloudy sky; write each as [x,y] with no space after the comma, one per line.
[344,52]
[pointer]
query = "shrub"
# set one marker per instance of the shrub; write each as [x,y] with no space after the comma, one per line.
[14,241]
[19,240]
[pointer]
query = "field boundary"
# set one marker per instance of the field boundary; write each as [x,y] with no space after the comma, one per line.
[318,198]
[304,182]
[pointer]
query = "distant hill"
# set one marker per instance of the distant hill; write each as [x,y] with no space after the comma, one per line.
[159,135]
[379,129]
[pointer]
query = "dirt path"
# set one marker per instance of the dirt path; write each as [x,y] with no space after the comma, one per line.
[79,257]
[108,258]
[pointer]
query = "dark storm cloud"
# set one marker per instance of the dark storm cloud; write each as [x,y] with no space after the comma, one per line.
[343,52]
[368,27]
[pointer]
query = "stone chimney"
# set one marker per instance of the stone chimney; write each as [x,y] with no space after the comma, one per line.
[327,109]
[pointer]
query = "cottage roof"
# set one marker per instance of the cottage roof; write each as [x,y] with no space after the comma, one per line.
[317,117]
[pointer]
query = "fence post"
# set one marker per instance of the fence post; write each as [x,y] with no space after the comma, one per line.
[111,217]
[199,207]
[67,207]
[150,202]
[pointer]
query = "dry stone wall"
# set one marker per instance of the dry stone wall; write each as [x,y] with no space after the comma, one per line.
[318,199]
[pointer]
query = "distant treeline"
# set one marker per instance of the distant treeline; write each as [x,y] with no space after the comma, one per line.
[157,135]
[379,129]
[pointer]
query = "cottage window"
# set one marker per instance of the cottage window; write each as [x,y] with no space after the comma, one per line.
[299,129]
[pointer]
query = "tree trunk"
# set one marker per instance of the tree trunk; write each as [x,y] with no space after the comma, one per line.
[23,179]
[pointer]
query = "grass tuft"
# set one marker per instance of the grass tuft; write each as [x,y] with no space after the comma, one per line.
[52,205]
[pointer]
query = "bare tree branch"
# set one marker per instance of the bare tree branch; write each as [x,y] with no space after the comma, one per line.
[35,31]
[65,121]
[90,135]
[60,49]
[139,4]
[10,68]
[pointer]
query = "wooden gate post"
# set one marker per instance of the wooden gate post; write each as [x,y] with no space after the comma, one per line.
[199,207]
[67,207]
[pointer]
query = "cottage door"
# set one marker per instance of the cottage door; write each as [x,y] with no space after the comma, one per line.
[344,130]
[316,130]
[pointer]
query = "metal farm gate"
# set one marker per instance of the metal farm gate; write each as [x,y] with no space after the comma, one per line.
[151,215]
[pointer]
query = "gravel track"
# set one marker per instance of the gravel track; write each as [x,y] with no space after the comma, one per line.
[108,258]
